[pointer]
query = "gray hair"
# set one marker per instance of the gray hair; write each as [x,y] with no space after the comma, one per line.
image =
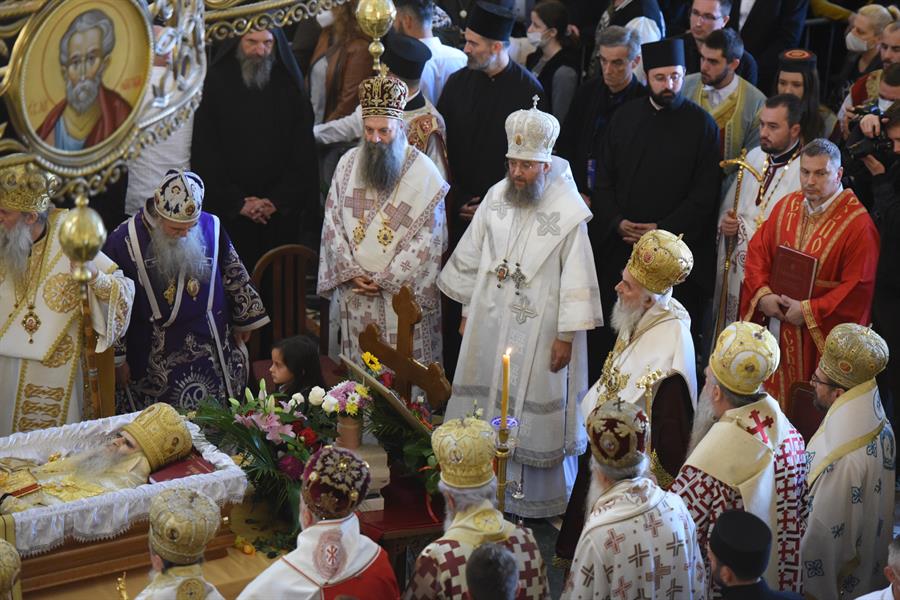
[86,21]
[894,553]
[823,147]
[734,399]
[466,498]
[614,35]
[42,217]
[621,473]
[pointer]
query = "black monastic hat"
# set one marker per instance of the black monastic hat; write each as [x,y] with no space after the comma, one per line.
[492,21]
[741,541]
[405,56]
[797,60]
[667,52]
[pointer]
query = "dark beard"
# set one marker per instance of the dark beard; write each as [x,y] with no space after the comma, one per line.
[382,162]
[255,71]
[715,82]
[665,98]
[529,195]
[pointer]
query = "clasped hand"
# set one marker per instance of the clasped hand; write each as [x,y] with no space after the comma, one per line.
[783,308]
[258,210]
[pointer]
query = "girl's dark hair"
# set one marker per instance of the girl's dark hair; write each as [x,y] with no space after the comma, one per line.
[812,125]
[555,15]
[300,354]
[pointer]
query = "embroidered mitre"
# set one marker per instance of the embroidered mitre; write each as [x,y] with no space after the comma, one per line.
[26,188]
[161,433]
[746,354]
[660,260]
[465,449]
[618,433]
[531,134]
[335,481]
[182,522]
[853,355]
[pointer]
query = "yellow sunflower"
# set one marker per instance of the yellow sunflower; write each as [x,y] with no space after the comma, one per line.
[372,362]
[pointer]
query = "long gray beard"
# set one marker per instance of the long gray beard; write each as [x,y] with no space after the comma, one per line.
[82,95]
[96,462]
[529,195]
[594,492]
[382,163]
[625,318]
[704,419]
[15,248]
[255,71]
[173,254]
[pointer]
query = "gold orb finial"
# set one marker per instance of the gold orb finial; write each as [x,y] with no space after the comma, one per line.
[375,18]
[81,236]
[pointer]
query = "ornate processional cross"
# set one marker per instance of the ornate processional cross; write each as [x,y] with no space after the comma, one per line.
[407,370]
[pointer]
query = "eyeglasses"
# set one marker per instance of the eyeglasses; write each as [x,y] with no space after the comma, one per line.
[673,77]
[704,16]
[526,166]
[813,380]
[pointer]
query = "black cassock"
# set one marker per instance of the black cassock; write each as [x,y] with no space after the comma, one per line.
[475,107]
[656,166]
[250,142]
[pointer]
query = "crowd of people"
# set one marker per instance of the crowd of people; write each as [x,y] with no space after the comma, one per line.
[675,222]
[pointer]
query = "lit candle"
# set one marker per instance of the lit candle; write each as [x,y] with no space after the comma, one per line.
[504,396]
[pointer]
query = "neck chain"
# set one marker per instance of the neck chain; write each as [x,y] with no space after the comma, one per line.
[31,322]
[763,199]
[385,232]
[502,270]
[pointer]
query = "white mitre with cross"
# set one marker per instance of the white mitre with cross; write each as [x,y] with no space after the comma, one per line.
[531,134]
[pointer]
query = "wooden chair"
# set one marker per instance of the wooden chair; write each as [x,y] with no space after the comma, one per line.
[281,276]
[801,411]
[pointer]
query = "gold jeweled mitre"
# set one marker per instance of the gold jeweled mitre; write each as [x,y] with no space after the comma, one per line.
[618,432]
[746,354]
[10,566]
[161,433]
[660,260]
[853,355]
[182,522]
[382,96]
[465,448]
[26,188]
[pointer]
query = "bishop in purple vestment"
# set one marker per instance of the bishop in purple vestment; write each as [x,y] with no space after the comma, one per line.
[194,306]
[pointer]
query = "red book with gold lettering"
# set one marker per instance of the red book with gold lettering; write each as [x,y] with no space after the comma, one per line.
[194,464]
[793,273]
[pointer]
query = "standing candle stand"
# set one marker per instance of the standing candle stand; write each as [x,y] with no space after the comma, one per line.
[504,447]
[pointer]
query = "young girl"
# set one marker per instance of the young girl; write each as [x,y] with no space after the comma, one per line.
[295,365]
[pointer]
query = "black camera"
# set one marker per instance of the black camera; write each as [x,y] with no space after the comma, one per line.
[859,145]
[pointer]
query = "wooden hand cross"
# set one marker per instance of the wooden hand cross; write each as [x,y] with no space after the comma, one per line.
[407,370]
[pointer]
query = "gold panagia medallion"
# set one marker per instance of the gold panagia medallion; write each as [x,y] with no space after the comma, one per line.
[31,322]
[385,235]
[169,294]
[193,288]
[359,233]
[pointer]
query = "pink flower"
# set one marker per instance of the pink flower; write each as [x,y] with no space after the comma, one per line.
[245,420]
[273,427]
[291,466]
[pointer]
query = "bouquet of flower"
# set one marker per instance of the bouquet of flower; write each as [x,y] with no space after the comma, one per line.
[378,370]
[273,436]
[347,399]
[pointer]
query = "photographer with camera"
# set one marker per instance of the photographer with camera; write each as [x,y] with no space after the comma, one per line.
[886,214]
[862,141]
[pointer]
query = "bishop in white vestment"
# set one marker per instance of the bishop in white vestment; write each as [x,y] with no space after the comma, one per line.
[385,227]
[851,470]
[41,315]
[776,161]
[639,541]
[745,454]
[524,273]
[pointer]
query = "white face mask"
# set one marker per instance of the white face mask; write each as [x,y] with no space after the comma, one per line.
[855,43]
[536,38]
[325,18]
[883,104]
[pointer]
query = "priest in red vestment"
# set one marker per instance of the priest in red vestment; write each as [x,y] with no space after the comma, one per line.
[333,559]
[825,222]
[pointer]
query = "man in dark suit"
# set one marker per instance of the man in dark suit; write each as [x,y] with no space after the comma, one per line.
[768,27]
[705,17]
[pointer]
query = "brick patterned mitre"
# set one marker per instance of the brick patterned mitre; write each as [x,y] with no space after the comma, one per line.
[746,354]
[26,188]
[335,481]
[465,449]
[531,134]
[853,355]
[660,260]
[382,96]
[618,433]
